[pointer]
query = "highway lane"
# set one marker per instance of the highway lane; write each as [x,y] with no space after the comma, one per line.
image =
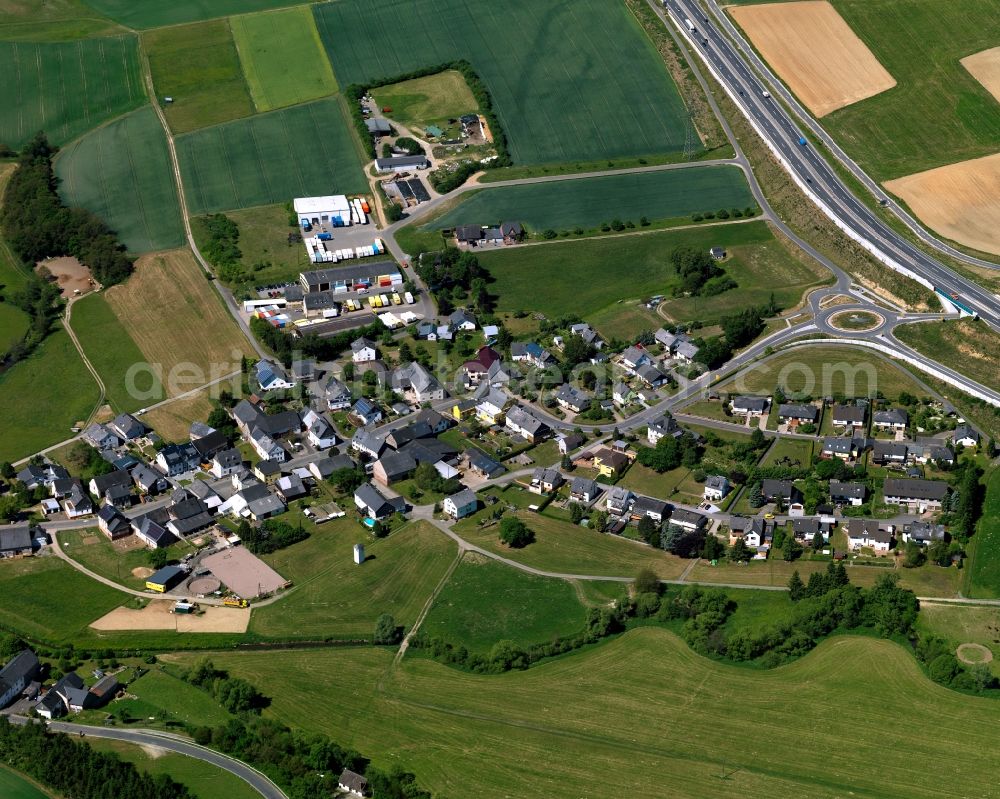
[812,172]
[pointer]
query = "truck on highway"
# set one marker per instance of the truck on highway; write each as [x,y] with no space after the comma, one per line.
[690,25]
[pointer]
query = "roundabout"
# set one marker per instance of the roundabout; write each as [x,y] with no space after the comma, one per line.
[855,320]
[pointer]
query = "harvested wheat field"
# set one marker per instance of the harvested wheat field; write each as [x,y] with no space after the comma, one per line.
[959,201]
[985,67]
[173,420]
[814,52]
[157,615]
[178,321]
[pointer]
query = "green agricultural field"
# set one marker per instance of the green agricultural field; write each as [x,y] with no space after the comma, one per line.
[544,733]
[66,88]
[568,80]
[122,173]
[433,99]
[485,601]
[334,597]
[969,343]
[202,779]
[283,58]
[111,350]
[564,547]
[51,21]
[15,786]
[47,599]
[586,276]
[55,372]
[143,14]
[984,563]
[587,202]
[825,371]
[197,66]
[300,151]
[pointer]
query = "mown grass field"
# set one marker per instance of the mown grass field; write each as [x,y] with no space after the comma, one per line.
[568,81]
[197,65]
[334,597]
[300,151]
[584,277]
[15,786]
[825,371]
[567,548]
[964,625]
[202,779]
[173,421]
[647,709]
[144,14]
[113,354]
[178,322]
[485,601]
[53,21]
[283,58]
[429,100]
[972,344]
[984,565]
[182,700]
[587,202]
[55,373]
[122,173]
[46,598]
[66,88]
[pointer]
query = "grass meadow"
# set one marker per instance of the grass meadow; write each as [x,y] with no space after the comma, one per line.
[428,100]
[544,733]
[122,173]
[143,14]
[969,343]
[66,88]
[983,581]
[568,81]
[53,21]
[588,202]
[300,151]
[283,58]
[53,372]
[485,601]
[198,66]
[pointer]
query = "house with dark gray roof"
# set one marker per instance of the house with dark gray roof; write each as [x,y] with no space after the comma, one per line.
[15,541]
[521,421]
[798,413]
[655,509]
[849,416]
[847,493]
[749,406]
[462,504]
[921,495]
[585,490]
[894,419]
[16,675]
[925,533]
[370,501]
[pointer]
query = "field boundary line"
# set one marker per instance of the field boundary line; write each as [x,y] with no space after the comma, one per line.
[427,606]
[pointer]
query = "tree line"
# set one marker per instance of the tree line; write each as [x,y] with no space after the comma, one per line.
[270,535]
[286,347]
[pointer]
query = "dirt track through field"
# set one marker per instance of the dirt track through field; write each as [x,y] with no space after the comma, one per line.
[157,615]
[815,52]
[985,67]
[959,201]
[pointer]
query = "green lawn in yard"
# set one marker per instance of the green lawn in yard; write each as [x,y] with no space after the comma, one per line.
[66,88]
[103,557]
[567,548]
[587,202]
[791,452]
[203,780]
[282,57]
[122,173]
[484,602]
[45,598]
[544,733]
[432,99]
[568,81]
[198,66]
[110,349]
[300,151]
[54,379]
[335,597]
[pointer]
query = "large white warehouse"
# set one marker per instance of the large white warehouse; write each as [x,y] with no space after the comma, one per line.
[335,209]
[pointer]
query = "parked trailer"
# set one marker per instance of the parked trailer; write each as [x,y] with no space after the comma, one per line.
[396,299]
[690,25]
[409,298]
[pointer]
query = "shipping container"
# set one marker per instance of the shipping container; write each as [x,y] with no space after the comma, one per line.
[365,206]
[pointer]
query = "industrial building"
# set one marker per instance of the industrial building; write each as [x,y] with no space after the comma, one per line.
[401,163]
[359,277]
[333,210]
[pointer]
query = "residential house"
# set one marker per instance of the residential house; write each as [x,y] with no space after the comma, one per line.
[43,475]
[272,377]
[925,533]
[634,357]
[585,490]
[716,488]
[266,447]
[609,463]
[655,509]
[806,529]
[753,531]
[478,368]
[16,675]
[462,504]
[849,416]
[200,489]
[889,453]
[469,234]
[253,500]
[437,422]
[369,441]
[572,399]
[352,783]
[482,465]
[100,437]
[852,494]
[15,541]
[502,373]
[226,463]
[68,690]
[77,503]
[490,408]
[795,413]
[176,459]
[930,450]
[208,445]
[965,436]
[366,411]
[187,515]
[779,490]
[267,471]
[569,442]
[149,481]
[112,523]
[370,502]
[530,352]
[688,519]
[749,406]
[618,500]
[113,487]
[718,253]
[462,320]
[337,395]
[393,467]
[621,393]
[415,383]
[319,431]
[512,232]
[664,427]
[291,487]
[842,447]
[894,419]
[545,481]
[363,350]
[686,351]
[920,495]
[127,427]
[587,333]
[463,409]
[651,376]
[868,533]
[524,423]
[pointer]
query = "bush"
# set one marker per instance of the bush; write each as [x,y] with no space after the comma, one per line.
[515,533]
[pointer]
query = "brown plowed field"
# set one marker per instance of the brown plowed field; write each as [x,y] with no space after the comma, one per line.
[985,67]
